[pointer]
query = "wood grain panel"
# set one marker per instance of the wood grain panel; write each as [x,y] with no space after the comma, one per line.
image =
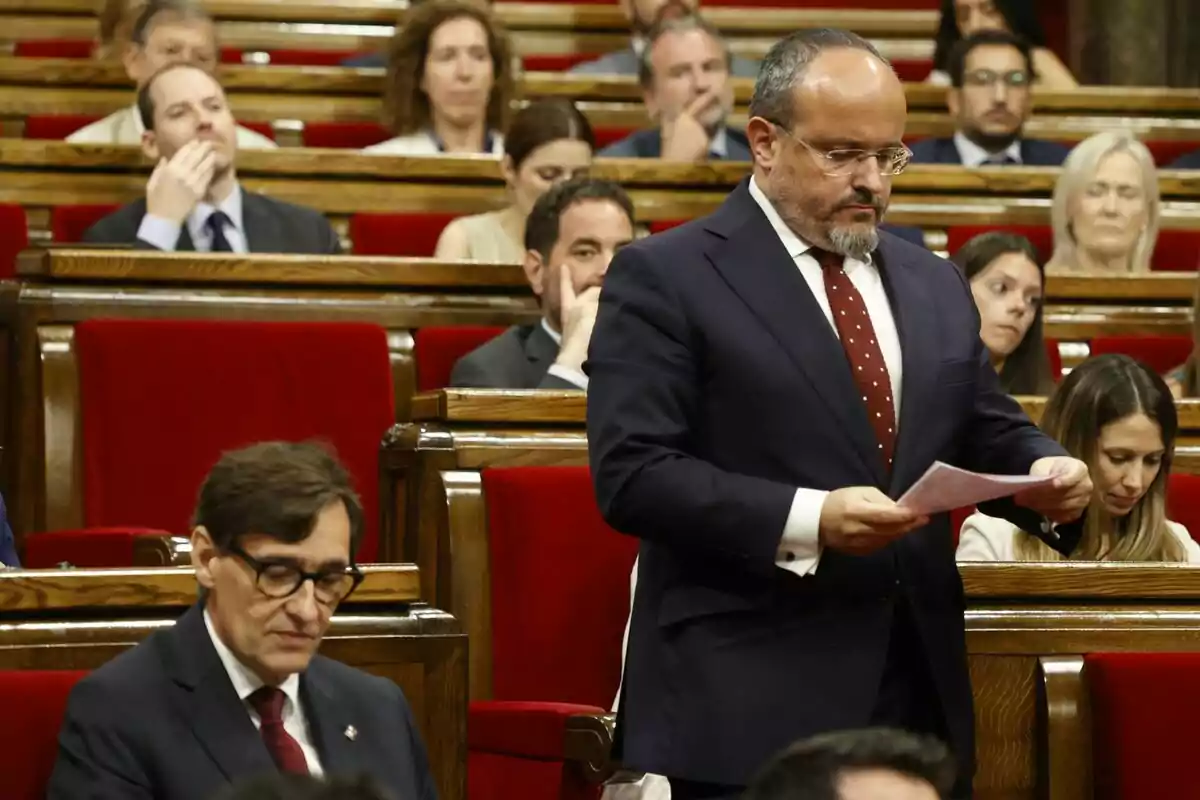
[1005,693]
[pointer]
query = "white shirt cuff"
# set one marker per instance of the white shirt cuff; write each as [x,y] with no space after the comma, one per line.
[571,376]
[800,548]
[162,233]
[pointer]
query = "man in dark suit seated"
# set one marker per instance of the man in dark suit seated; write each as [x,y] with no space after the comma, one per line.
[235,689]
[193,200]
[1189,161]
[570,238]
[991,74]
[685,85]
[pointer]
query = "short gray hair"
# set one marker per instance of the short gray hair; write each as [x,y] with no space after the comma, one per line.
[668,25]
[786,63]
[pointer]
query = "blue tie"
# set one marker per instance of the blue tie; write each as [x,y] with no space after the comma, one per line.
[216,223]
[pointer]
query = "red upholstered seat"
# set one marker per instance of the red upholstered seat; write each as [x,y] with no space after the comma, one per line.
[14,237]
[414,234]
[913,70]
[55,48]
[660,225]
[610,134]
[35,702]
[1040,235]
[1160,353]
[162,399]
[957,517]
[1166,152]
[55,126]
[1055,357]
[263,128]
[1183,501]
[68,224]
[1177,251]
[92,547]
[559,602]
[554,62]
[343,135]
[1144,712]
[437,349]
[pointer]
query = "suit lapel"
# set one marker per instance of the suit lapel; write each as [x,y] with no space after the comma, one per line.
[755,264]
[540,352]
[185,243]
[258,226]
[331,725]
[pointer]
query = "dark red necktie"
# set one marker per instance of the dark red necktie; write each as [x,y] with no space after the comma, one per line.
[862,350]
[268,702]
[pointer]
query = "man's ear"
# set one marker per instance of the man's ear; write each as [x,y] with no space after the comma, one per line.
[763,139]
[203,553]
[535,271]
[953,99]
[150,146]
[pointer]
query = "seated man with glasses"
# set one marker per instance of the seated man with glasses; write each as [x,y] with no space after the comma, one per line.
[235,688]
[991,74]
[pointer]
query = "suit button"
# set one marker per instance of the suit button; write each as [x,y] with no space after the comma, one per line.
[789,556]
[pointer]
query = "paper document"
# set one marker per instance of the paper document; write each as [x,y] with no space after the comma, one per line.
[943,488]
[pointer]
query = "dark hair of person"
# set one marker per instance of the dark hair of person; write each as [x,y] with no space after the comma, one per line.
[542,122]
[184,9]
[671,24]
[542,226]
[958,55]
[277,489]
[1026,371]
[406,106]
[812,768]
[1189,374]
[287,786]
[1020,15]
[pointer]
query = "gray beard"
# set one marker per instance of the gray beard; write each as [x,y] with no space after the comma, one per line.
[854,244]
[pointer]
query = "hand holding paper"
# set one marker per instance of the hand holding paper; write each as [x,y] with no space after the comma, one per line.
[943,488]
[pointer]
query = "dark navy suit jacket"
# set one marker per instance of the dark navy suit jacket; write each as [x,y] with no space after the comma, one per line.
[163,720]
[717,386]
[1189,161]
[1034,152]
[648,144]
[8,545]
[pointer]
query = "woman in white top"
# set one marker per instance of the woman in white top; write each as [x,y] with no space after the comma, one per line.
[1117,415]
[548,142]
[962,18]
[449,82]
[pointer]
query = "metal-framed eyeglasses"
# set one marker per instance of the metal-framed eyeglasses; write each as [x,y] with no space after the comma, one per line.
[280,579]
[840,162]
[987,78]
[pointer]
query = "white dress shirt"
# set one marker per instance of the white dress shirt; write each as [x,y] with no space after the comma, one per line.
[246,683]
[572,376]
[972,155]
[125,127]
[164,234]
[424,143]
[987,538]
[800,549]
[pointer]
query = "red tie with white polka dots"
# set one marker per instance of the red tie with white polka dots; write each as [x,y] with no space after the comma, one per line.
[862,350]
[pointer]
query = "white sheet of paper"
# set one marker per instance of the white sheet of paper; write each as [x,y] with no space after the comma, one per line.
[943,488]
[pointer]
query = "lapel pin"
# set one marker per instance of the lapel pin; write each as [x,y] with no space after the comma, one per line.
[351,732]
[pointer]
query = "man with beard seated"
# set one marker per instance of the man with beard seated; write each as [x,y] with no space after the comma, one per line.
[991,74]
[193,200]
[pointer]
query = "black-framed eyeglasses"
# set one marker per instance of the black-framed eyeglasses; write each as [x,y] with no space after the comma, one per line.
[279,579]
[1014,79]
[840,162]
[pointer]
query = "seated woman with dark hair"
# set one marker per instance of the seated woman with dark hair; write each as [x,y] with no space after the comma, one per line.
[1007,282]
[548,142]
[1117,415]
[449,82]
[961,18]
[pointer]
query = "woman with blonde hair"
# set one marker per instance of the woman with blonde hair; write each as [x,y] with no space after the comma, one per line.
[449,82]
[1106,207]
[1116,415]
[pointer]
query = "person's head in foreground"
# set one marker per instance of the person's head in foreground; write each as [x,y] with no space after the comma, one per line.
[449,73]
[274,534]
[868,764]
[576,227]
[991,75]
[684,68]
[548,142]
[1116,415]
[286,786]
[164,32]
[963,18]
[826,128]
[1007,283]
[643,15]
[184,108]
[1105,210]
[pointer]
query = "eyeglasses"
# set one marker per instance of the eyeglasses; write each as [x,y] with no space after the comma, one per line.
[277,579]
[1017,79]
[841,162]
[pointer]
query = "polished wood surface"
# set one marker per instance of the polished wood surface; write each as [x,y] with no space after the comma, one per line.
[1188,411]
[79,619]
[501,406]
[1173,288]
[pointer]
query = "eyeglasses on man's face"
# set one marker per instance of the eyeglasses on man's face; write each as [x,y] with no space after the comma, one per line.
[279,579]
[988,78]
[843,161]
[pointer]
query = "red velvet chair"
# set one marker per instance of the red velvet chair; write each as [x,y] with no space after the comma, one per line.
[543,592]
[1040,235]
[55,126]
[913,70]
[411,234]
[14,237]
[1055,357]
[104,547]
[55,48]
[160,400]
[68,224]
[1160,353]
[263,128]
[555,62]
[1177,251]
[610,134]
[36,701]
[660,225]
[436,350]
[343,135]
[1183,501]
[1144,712]
[1166,152]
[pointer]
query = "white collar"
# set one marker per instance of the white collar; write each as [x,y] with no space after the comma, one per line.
[719,144]
[555,335]
[231,206]
[972,155]
[245,681]
[637,44]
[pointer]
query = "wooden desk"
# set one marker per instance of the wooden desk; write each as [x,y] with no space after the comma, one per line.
[79,619]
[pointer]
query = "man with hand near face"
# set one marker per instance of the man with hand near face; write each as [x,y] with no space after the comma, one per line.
[235,688]
[685,86]
[193,200]
[570,237]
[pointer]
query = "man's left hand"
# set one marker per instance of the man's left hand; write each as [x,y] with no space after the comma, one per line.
[1064,499]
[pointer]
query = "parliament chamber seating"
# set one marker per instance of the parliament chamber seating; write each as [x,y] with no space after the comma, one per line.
[68,224]
[1176,251]
[1160,353]
[14,237]
[1183,501]
[408,234]
[55,127]
[437,349]
[344,135]
[37,701]
[541,586]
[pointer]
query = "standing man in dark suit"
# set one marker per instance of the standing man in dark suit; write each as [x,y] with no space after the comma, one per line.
[764,382]
[685,86]
[193,198]
[235,688]
[570,238]
[990,98]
